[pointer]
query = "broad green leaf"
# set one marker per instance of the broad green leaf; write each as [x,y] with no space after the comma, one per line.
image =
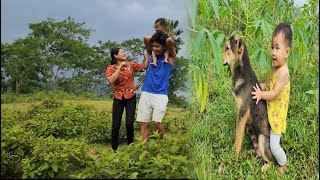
[215,7]
[216,51]
[31,174]
[55,167]
[19,151]
[24,176]
[262,59]
[264,28]
[199,40]
[45,166]
[51,173]
[256,53]
[133,175]
[220,39]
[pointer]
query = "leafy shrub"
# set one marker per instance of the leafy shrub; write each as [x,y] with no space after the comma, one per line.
[99,127]
[8,98]
[53,157]
[16,144]
[158,160]
[64,122]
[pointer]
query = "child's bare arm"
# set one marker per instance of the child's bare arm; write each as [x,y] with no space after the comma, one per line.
[282,80]
[263,86]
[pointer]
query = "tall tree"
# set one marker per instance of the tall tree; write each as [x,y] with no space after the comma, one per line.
[21,63]
[64,46]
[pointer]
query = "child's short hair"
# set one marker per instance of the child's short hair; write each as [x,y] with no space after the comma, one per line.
[162,21]
[286,30]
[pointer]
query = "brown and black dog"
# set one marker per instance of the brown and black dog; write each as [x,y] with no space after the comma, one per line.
[250,116]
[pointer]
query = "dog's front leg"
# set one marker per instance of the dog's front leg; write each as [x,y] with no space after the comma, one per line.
[240,128]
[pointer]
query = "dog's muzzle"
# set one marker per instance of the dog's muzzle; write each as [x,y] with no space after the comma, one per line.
[224,64]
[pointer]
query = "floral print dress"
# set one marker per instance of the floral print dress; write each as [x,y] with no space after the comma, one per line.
[278,108]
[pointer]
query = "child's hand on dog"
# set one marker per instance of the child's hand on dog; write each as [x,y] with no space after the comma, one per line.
[257,93]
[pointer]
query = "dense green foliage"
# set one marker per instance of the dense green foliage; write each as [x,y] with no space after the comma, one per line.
[212,22]
[70,138]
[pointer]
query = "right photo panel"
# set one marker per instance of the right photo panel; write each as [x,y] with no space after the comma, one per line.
[254,67]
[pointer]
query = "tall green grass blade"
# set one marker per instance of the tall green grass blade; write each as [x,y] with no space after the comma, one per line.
[215,7]
[204,93]
[216,52]
[192,9]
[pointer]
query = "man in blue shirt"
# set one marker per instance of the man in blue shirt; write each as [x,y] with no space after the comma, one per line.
[154,97]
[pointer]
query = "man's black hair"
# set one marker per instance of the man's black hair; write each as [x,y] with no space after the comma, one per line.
[160,38]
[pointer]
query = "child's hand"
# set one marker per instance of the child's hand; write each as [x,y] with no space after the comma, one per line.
[257,93]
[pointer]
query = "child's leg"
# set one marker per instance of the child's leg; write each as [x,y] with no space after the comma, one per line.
[147,56]
[276,149]
[147,44]
[166,56]
[154,59]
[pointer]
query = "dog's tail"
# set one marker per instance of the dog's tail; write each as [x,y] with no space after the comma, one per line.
[264,148]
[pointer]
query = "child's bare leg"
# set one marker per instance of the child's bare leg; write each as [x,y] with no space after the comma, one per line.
[170,47]
[147,44]
[147,56]
[166,56]
[281,169]
[154,59]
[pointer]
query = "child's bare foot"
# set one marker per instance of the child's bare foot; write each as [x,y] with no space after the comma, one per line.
[166,61]
[281,169]
[153,64]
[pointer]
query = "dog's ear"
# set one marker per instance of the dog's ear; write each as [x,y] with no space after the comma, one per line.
[239,44]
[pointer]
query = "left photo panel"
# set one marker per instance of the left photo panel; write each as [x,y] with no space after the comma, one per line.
[95,90]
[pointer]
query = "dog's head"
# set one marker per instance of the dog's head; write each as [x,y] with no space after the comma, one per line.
[233,51]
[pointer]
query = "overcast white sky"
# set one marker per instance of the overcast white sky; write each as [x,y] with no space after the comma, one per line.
[115,20]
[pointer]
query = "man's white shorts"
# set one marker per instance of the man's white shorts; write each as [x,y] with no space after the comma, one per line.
[152,104]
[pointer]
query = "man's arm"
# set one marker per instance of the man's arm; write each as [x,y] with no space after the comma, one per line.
[171,49]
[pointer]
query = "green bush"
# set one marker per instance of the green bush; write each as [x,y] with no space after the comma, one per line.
[160,159]
[16,144]
[54,158]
